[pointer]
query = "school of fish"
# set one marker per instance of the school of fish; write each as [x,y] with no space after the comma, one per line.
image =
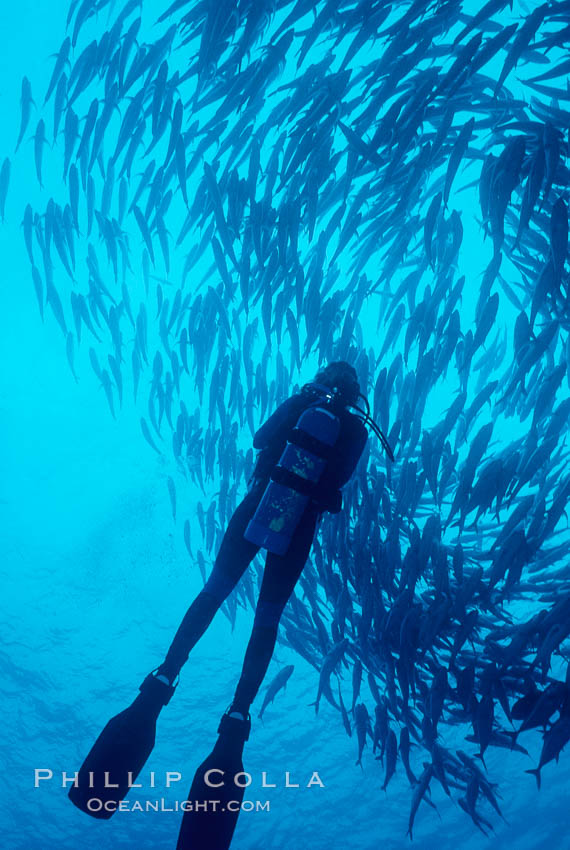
[241,184]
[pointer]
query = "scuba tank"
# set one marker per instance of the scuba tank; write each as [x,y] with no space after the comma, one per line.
[293,480]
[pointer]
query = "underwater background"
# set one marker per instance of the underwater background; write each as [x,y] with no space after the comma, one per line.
[97,574]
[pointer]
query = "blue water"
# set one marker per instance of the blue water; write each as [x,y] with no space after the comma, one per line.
[96,575]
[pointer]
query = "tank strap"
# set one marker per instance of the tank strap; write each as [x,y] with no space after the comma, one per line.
[289,479]
[312,444]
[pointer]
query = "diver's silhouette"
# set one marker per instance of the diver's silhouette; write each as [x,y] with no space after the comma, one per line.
[281,571]
[126,741]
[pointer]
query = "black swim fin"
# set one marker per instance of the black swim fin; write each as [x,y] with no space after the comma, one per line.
[120,752]
[214,797]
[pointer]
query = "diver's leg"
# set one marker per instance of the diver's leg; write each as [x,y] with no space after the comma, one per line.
[234,556]
[125,743]
[279,579]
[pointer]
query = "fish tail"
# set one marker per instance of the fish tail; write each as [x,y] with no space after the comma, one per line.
[535,772]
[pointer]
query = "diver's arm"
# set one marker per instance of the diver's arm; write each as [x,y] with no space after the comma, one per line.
[348,460]
[328,495]
[281,418]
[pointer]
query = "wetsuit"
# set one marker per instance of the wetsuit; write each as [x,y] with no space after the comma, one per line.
[281,571]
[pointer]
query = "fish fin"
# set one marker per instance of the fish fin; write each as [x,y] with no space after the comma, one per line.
[480,756]
[513,735]
[535,772]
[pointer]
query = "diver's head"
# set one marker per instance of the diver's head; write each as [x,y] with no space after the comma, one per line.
[341,376]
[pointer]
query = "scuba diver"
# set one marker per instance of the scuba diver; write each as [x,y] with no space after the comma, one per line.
[308,450]
[281,572]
